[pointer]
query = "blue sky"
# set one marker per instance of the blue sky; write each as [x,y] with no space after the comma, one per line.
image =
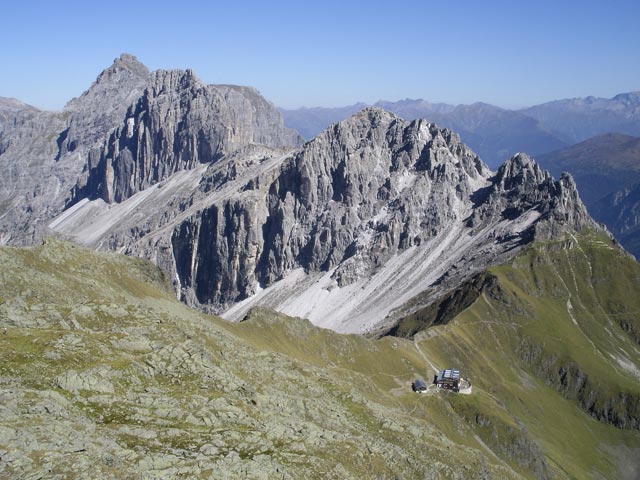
[332,53]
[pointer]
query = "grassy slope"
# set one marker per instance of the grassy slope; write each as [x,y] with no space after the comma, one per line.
[167,391]
[277,396]
[556,366]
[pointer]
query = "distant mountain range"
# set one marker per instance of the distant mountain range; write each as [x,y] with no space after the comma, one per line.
[606,169]
[496,133]
[577,119]
[599,165]
[620,211]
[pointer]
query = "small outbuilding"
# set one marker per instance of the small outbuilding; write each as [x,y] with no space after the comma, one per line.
[419,386]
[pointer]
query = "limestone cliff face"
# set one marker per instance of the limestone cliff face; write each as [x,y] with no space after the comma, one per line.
[348,200]
[353,201]
[179,123]
[129,130]
[43,154]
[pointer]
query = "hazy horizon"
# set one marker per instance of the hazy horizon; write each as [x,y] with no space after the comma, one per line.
[333,54]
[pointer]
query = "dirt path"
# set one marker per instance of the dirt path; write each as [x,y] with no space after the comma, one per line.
[426,359]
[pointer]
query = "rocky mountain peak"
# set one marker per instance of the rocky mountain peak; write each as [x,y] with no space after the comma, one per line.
[351,132]
[521,170]
[12,112]
[129,130]
[177,124]
[125,62]
[521,188]
[124,79]
[45,155]
[371,116]
[99,109]
[567,210]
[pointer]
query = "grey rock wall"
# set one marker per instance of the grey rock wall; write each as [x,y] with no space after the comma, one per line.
[177,124]
[129,130]
[324,199]
[43,155]
[358,195]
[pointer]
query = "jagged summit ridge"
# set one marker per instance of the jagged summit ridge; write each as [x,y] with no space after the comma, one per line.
[347,230]
[521,184]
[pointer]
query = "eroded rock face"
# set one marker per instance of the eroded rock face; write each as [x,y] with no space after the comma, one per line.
[351,198]
[130,130]
[43,154]
[347,230]
[179,123]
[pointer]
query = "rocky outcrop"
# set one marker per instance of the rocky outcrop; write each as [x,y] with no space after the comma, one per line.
[179,123]
[520,185]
